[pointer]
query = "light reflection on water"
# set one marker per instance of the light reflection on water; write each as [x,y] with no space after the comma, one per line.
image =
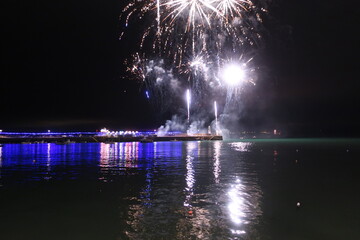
[0,162]
[196,220]
[216,159]
[122,154]
[244,196]
[48,162]
[236,204]
[241,146]
[190,173]
[0,156]
[186,189]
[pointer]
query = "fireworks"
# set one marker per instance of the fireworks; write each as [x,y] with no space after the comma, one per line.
[216,118]
[188,99]
[184,28]
[232,8]
[194,10]
[233,74]
[188,43]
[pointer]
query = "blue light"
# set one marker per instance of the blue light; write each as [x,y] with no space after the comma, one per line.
[48,133]
[147,95]
[45,161]
[84,134]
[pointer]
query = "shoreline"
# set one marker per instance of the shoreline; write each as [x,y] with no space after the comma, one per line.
[107,139]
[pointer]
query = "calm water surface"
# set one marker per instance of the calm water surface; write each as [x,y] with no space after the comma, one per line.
[181,190]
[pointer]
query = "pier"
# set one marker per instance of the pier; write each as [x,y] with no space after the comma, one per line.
[88,137]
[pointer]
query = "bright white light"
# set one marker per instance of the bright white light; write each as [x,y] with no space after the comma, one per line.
[188,99]
[236,205]
[195,63]
[216,120]
[104,130]
[233,74]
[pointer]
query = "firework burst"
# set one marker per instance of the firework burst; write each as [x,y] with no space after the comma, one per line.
[184,28]
[194,42]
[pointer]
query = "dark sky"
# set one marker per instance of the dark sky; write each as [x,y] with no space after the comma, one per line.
[62,69]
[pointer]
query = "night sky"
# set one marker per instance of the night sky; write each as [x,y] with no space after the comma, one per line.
[63,69]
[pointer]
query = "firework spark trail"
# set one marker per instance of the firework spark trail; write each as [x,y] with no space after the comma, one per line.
[196,9]
[158,15]
[188,99]
[184,20]
[216,118]
[232,8]
[196,39]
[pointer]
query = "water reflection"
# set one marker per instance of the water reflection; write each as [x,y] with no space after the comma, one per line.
[119,154]
[190,173]
[117,158]
[0,160]
[0,155]
[217,167]
[48,162]
[154,210]
[214,205]
[241,146]
[104,154]
[197,217]
[244,196]
[154,151]
[168,190]
[237,202]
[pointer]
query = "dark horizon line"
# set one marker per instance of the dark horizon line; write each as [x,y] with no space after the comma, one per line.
[234,134]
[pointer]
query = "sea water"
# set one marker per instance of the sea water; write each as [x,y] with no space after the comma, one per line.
[256,189]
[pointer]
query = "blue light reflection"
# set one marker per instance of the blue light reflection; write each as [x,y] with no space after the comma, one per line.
[102,161]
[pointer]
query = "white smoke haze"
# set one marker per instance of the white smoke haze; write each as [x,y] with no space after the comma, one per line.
[224,132]
[236,21]
[149,67]
[159,70]
[229,124]
[174,84]
[175,124]
[158,80]
[221,39]
[197,127]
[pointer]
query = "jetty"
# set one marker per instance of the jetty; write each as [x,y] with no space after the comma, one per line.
[89,137]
